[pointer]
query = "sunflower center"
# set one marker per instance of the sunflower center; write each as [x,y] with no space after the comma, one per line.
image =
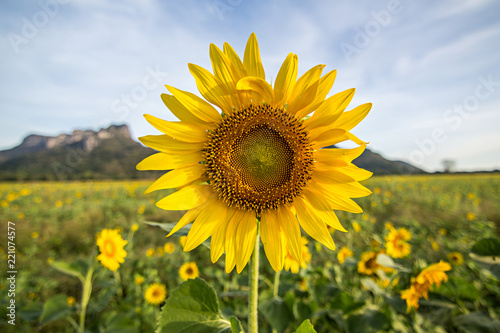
[189,271]
[263,158]
[109,249]
[258,158]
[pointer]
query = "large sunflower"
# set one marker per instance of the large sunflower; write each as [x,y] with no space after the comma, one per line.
[257,158]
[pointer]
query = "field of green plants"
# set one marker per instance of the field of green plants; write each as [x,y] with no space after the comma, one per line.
[60,286]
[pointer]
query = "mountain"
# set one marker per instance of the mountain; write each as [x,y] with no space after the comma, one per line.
[112,154]
[106,154]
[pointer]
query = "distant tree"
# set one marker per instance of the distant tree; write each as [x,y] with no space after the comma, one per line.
[448,165]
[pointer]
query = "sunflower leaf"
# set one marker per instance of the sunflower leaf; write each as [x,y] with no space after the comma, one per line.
[306,327]
[193,308]
[487,247]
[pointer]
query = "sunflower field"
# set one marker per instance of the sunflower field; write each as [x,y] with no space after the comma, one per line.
[93,257]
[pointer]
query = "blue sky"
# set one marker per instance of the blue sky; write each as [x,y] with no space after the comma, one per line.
[431,69]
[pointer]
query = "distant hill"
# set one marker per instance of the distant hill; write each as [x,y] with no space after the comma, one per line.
[107,154]
[112,154]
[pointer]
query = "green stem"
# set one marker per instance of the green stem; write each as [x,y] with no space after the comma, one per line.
[87,290]
[276,283]
[253,322]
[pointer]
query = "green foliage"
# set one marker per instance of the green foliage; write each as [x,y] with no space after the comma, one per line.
[305,327]
[54,308]
[193,307]
[487,247]
[276,313]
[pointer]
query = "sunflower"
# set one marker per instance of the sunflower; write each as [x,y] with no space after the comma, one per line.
[432,275]
[169,247]
[396,244]
[251,154]
[189,270]
[111,245]
[156,293]
[456,258]
[368,264]
[343,254]
[294,266]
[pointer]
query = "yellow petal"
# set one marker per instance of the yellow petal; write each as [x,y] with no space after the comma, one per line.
[187,218]
[312,224]
[330,110]
[291,230]
[348,120]
[328,138]
[168,145]
[285,80]
[351,190]
[196,105]
[332,176]
[257,85]
[182,131]
[251,59]
[186,198]
[230,240]
[217,246]
[162,161]
[305,90]
[245,239]
[273,239]
[329,218]
[235,59]
[325,85]
[225,71]
[204,225]
[322,199]
[357,173]
[178,177]
[329,155]
[211,88]
[180,111]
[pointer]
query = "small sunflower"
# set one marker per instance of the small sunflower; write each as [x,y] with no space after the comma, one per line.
[294,266]
[252,153]
[396,244]
[456,258]
[169,247]
[432,275]
[111,245]
[156,293]
[189,270]
[343,254]
[368,264]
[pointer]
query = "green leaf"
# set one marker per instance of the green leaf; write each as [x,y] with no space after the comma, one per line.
[458,288]
[55,308]
[306,327]
[276,313]
[302,310]
[120,323]
[70,269]
[487,247]
[236,325]
[345,302]
[477,322]
[193,308]
[31,311]
[367,322]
